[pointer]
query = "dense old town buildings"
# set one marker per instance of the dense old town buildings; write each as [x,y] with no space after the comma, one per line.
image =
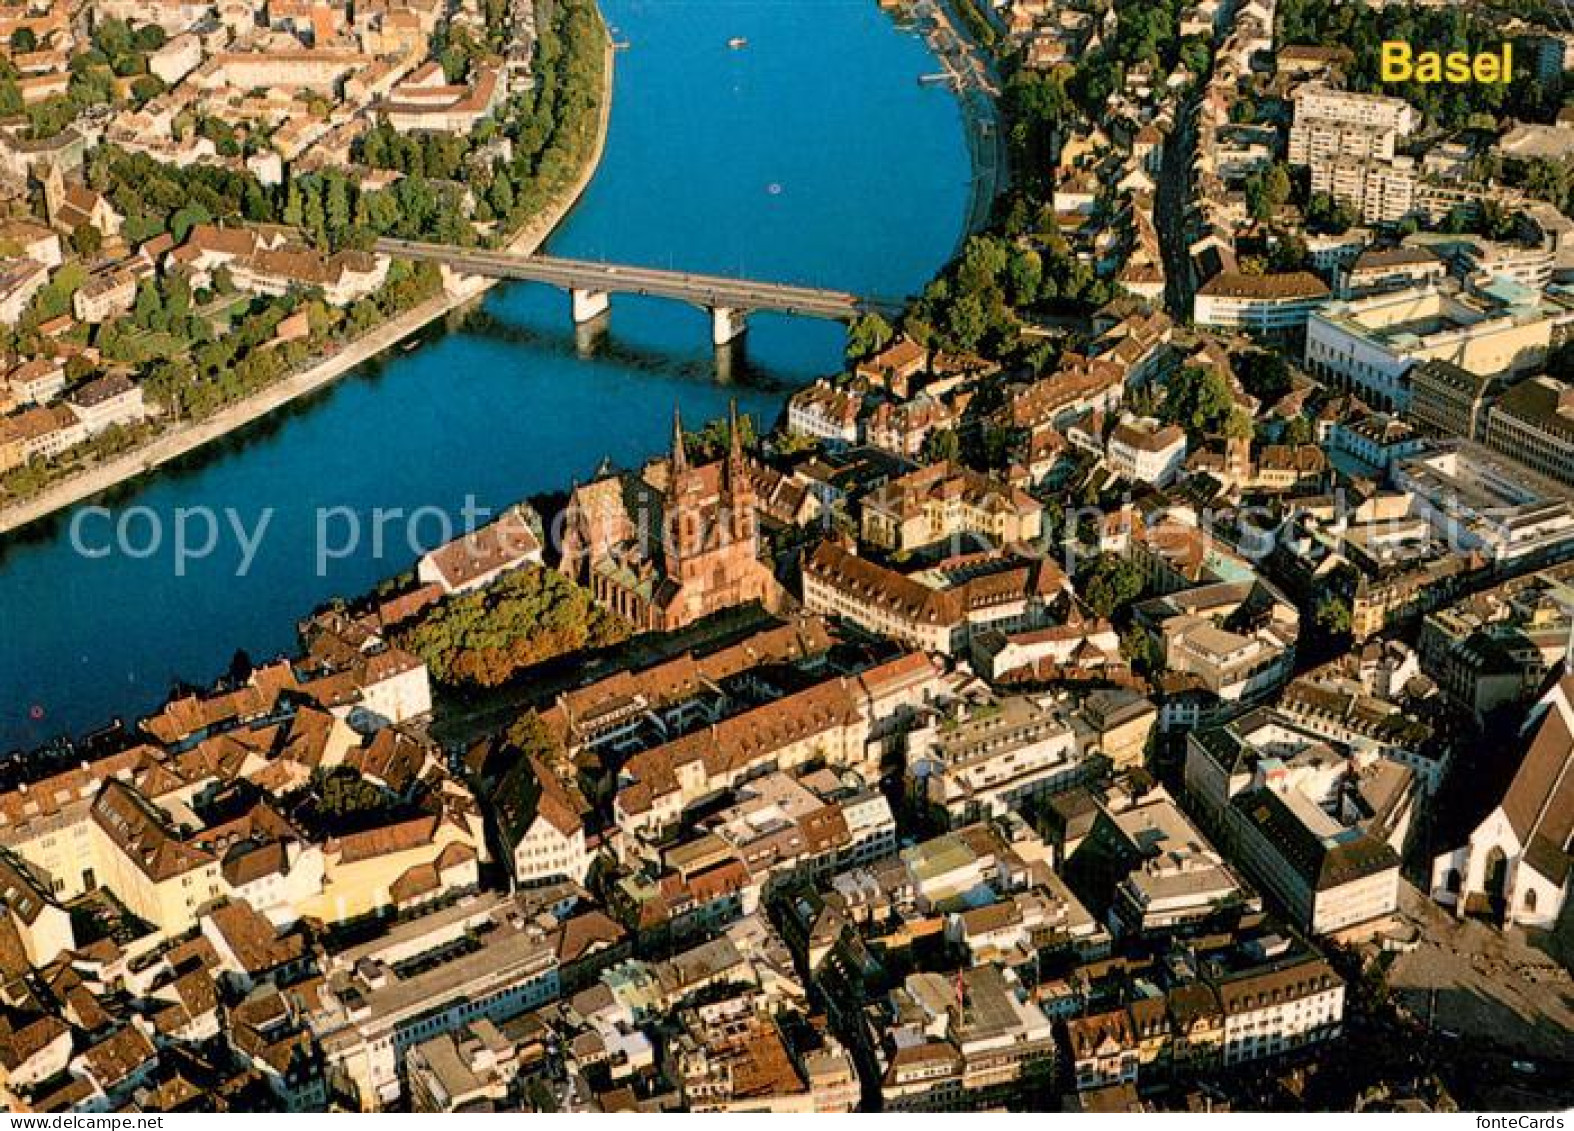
[1090,699]
[944,503]
[840,721]
[939,609]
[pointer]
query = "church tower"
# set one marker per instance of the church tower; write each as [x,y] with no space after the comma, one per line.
[679,462]
[738,488]
[683,503]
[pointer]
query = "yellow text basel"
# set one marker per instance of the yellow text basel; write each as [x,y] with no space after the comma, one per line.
[1402,63]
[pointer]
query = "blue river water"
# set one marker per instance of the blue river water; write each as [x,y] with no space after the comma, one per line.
[809,155]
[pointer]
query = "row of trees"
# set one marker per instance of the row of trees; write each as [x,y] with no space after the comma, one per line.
[527,617]
[216,370]
[155,197]
[333,213]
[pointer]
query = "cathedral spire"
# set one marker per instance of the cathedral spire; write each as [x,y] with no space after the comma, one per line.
[734,434]
[680,461]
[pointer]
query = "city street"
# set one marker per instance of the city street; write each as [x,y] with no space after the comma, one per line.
[1171,207]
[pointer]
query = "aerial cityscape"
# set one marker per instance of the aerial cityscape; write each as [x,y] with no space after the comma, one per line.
[868,555]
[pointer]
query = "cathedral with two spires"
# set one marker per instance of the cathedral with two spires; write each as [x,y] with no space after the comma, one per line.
[672,543]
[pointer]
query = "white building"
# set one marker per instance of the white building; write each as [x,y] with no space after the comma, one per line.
[378,1004]
[989,759]
[1262,304]
[1516,866]
[540,826]
[1381,192]
[475,560]
[37,381]
[824,411]
[1280,1007]
[1181,880]
[1331,124]
[1369,345]
[1145,450]
[176,59]
[1286,807]
[108,401]
[39,922]
[20,280]
[1482,500]
[1534,423]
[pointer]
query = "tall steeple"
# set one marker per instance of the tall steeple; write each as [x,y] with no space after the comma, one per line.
[732,469]
[737,487]
[734,435]
[680,461]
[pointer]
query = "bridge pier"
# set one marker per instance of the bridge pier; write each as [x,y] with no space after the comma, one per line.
[589,305]
[456,284]
[730,360]
[589,336]
[727,324]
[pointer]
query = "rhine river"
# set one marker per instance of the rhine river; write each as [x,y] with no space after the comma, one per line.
[810,155]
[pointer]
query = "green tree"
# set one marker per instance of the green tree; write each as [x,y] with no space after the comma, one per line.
[1024,274]
[1196,55]
[1199,399]
[113,38]
[336,205]
[181,223]
[967,320]
[1109,583]
[294,205]
[528,616]
[1333,616]
[86,240]
[148,309]
[530,737]
[1264,374]
[868,335]
[340,800]
[313,216]
[501,195]
[1325,214]
[1268,191]
[1142,652]
[1238,425]
[942,445]
[1298,430]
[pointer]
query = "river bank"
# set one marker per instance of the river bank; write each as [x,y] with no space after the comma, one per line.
[976,83]
[812,155]
[183,440]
